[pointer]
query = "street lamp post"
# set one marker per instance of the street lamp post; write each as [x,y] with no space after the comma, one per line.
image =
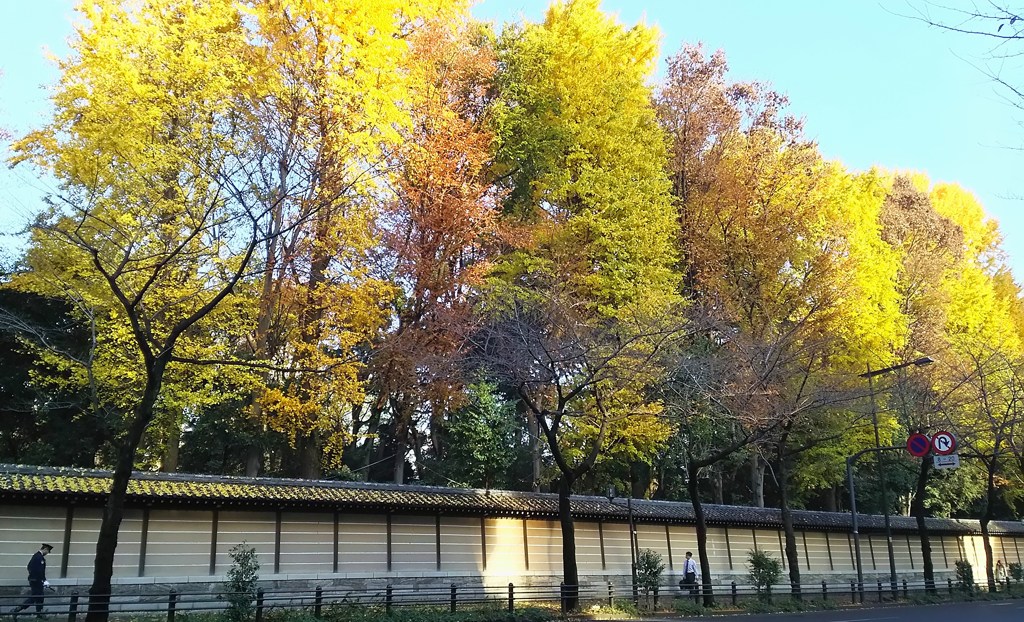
[854,519]
[632,540]
[870,374]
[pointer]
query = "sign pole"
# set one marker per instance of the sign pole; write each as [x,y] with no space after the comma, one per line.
[856,527]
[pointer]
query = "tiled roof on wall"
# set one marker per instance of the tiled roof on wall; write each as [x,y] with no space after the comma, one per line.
[67,485]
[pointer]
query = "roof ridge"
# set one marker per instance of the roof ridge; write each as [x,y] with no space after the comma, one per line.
[716,512]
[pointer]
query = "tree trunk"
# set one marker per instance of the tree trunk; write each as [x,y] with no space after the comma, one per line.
[570,572]
[534,430]
[268,296]
[990,498]
[757,480]
[308,446]
[832,499]
[169,462]
[693,487]
[403,408]
[792,556]
[718,485]
[113,511]
[253,460]
[918,510]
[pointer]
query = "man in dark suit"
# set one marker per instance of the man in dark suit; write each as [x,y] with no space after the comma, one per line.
[36,581]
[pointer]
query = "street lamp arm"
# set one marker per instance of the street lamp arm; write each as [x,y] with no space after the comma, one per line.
[921,362]
[851,460]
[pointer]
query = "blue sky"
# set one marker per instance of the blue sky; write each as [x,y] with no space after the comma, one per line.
[875,88]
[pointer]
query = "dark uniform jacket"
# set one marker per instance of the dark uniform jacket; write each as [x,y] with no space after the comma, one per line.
[37,567]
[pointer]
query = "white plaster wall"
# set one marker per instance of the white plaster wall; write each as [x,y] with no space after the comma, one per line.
[256,529]
[653,537]
[545,542]
[741,543]
[413,544]
[307,542]
[588,546]
[816,551]
[462,545]
[22,530]
[616,548]
[178,544]
[506,553]
[362,544]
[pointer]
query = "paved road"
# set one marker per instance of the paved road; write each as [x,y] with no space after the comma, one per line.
[999,611]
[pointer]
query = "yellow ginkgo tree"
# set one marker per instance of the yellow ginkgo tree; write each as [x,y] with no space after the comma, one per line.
[158,215]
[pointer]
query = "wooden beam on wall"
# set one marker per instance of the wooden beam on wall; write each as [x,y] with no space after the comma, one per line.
[69,518]
[337,525]
[144,537]
[437,540]
[526,544]
[728,546]
[277,542]
[213,542]
[483,540]
[781,548]
[807,556]
[668,546]
[388,524]
[828,547]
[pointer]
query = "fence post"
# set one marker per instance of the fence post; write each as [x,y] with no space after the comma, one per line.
[172,603]
[387,599]
[455,598]
[561,597]
[611,594]
[906,594]
[733,593]
[511,598]
[824,590]
[879,591]
[853,593]
[950,583]
[655,596]
[259,604]
[73,607]
[319,601]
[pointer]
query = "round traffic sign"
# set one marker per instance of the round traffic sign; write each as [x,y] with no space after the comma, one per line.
[918,445]
[943,443]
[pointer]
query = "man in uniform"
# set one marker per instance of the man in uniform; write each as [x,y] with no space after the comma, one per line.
[36,581]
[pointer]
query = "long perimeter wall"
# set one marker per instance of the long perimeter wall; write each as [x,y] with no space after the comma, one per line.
[159,545]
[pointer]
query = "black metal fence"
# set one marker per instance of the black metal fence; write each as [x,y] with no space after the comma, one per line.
[72,605]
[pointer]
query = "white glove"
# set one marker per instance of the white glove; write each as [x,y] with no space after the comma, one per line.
[46,584]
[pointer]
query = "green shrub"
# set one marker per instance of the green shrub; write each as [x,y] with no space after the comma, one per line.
[764,572]
[242,578]
[1016,572]
[965,576]
[648,571]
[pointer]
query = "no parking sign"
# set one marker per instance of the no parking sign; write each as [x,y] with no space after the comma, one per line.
[918,445]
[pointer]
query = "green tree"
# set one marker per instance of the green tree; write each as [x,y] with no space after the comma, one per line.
[484,443]
[588,275]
